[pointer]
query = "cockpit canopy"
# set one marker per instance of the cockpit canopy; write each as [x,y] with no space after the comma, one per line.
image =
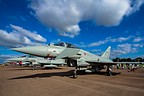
[67,45]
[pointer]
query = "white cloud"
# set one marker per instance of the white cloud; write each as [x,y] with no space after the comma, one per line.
[97,43]
[126,48]
[7,56]
[123,49]
[110,39]
[4,57]
[81,45]
[94,50]
[120,39]
[65,15]
[136,6]
[19,37]
[138,45]
[137,39]
[32,35]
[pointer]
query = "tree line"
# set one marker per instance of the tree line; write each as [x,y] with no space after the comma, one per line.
[138,59]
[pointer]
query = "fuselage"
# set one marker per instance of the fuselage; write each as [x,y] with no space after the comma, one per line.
[42,51]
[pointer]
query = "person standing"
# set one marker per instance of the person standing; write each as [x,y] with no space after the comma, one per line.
[20,63]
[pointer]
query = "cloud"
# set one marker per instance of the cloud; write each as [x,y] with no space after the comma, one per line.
[4,57]
[137,39]
[32,35]
[138,45]
[110,39]
[96,50]
[121,48]
[65,15]
[97,43]
[120,39]
[19,37]
[124,49]
[136,4]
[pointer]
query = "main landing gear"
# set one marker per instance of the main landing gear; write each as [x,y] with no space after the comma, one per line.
[75,73]
[109,73]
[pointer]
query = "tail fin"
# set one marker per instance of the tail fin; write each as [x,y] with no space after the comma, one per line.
[106,54]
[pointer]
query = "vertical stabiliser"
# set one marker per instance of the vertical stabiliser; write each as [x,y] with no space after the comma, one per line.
[106,54]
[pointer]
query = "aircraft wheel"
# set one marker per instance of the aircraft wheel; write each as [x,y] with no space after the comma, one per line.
[97,70]
[109,73]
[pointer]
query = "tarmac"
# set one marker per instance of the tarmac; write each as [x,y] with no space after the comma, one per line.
[23,81]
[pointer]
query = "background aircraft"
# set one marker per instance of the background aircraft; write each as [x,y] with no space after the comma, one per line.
[34,61]
[25,60]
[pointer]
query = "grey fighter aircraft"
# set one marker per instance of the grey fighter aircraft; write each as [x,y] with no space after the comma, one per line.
[26,60]
[34,61]
[80,59]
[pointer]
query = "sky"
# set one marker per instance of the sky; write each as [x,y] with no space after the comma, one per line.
[92,25]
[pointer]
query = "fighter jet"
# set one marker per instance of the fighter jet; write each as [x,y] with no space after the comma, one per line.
[26,60]
[79,58]
[34,61]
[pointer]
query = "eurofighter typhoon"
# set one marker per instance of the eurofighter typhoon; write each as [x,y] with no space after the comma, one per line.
[80,59]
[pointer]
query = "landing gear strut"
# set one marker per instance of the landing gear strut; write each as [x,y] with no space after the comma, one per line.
[109,71]
[75,73]
[34,66]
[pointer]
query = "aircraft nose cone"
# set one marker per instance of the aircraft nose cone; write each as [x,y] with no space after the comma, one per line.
[23,49]
[35,50]
[18,49]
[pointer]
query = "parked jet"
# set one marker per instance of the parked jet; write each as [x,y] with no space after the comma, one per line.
[25,60]
[34,61]
[81,59]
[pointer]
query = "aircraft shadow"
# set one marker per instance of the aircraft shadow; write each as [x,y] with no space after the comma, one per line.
[44,75]
[30,68]
[105,73]
[61,74]
[99,73]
